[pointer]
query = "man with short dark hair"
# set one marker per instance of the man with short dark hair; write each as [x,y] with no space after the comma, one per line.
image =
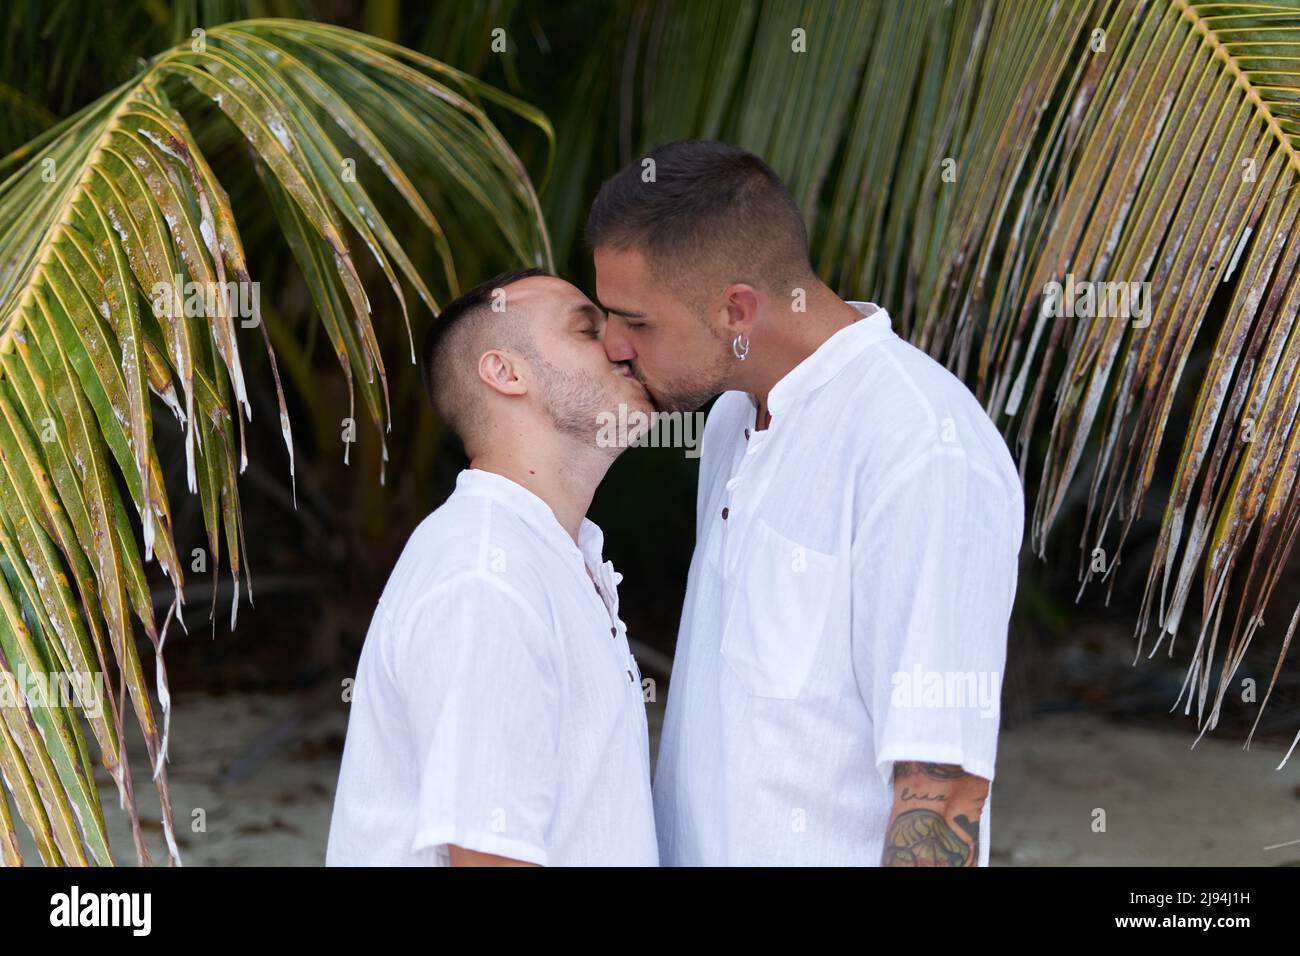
[835,689]
[498,716]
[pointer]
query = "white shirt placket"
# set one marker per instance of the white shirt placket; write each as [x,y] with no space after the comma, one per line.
[606,592]
[743,492]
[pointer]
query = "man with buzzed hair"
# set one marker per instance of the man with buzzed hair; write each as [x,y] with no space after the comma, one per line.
[477,322]
[498,716]
[835,688]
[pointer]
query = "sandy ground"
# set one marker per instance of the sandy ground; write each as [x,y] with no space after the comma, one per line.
[263,768]
[1165,803]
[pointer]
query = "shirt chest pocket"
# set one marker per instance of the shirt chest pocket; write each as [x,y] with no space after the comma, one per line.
[779,601]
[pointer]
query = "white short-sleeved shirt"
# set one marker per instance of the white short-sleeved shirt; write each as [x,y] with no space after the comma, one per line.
[497,705]
[847,606]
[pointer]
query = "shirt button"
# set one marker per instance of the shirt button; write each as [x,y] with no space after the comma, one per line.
[631,679]
[746,434]
[613,631]
[725,512]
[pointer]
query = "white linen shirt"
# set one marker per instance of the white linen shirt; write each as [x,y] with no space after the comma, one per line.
[846,607]
[497,705]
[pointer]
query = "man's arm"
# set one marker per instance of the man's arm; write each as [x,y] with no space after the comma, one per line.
[936,816]
[480,691]
[462,857]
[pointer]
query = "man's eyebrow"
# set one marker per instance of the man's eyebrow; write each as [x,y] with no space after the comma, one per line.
[626,313]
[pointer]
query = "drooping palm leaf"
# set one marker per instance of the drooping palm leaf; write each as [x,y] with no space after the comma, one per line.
[96,218]
[1128,141]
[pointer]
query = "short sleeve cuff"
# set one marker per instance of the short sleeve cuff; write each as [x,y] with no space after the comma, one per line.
[977,764]
[437,839]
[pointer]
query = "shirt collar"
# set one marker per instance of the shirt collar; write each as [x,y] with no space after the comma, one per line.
[535,511]
[829,358]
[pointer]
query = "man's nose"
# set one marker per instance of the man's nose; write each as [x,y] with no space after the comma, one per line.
[618,348]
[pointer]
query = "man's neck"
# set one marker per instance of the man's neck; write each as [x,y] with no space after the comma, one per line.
[785,345]
[562,476]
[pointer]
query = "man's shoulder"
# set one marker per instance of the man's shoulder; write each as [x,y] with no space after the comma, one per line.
[469,544]
[909,407]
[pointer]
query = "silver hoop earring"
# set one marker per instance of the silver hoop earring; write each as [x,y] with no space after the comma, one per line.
[740,347]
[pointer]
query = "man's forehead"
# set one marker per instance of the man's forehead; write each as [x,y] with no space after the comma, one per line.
[544,289]
[625,284]
[614,263]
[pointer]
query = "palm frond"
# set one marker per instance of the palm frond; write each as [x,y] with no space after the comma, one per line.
[969,154]
[103,224]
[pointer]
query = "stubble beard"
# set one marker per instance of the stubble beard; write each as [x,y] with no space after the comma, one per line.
[690,396]
[575,402]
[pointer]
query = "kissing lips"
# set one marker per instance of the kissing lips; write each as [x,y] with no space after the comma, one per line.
[624,370]
[650,397]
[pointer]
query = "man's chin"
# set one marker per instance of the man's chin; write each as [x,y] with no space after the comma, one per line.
[680,405]
[659,402]
[684,400]
[644,401]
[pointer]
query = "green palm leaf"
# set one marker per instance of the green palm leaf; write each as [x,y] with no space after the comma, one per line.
[98,219]
[1137,141]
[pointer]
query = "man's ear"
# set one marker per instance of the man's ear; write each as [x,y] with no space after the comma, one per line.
[499,370]
[740,305]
